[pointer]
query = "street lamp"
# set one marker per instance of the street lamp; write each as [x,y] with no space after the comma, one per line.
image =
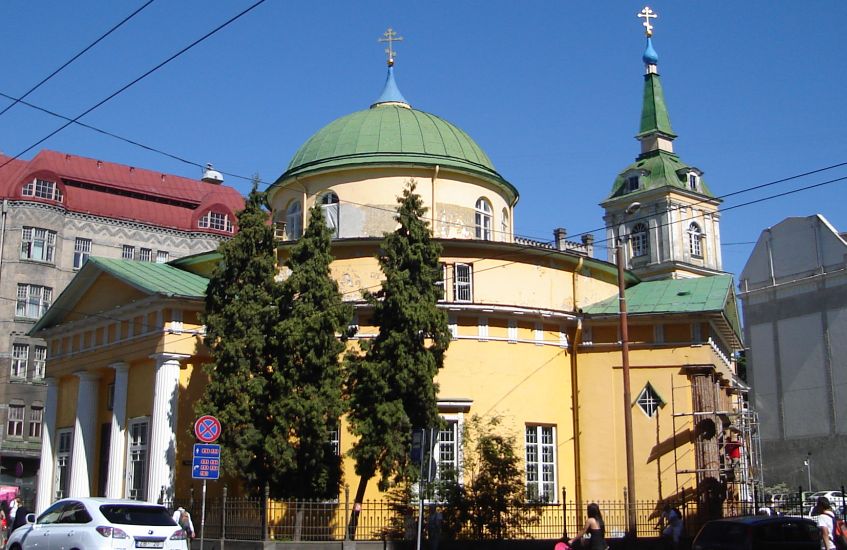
[632,527]
[808,464]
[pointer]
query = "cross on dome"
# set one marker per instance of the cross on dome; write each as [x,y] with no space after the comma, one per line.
[390,36]
[647,14]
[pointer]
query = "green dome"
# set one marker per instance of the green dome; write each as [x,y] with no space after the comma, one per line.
[392,134]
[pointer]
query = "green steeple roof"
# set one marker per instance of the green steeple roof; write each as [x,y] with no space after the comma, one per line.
[657,169]
[654,112]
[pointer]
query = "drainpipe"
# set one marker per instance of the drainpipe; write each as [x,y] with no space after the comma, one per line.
[3,231]
[577,339]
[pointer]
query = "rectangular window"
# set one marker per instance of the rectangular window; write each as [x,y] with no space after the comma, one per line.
[541,463]
[36,417]
[162,256]
[446,451]
[20,356]
[128,252]
[39,362]
[37,244]
[42,189]
[82,250]
[442,282]
[215,220]
[64,446]
[145,255]
[136,474]
[462,283]
[15,424]
[33,300]
[335,438]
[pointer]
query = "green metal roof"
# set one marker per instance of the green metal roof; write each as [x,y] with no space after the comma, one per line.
[654,112]
[148,277]
[390,134]
[697,294]
[658,169]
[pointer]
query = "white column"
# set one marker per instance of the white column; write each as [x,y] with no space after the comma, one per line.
[117,439]
[47,467]
[82,457]
[160,473]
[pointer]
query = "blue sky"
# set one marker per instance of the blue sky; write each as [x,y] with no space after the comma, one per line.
[757,91]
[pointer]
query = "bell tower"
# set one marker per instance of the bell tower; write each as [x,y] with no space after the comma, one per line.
[659,205]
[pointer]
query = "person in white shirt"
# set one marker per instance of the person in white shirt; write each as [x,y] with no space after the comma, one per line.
[183,519]
[826,522]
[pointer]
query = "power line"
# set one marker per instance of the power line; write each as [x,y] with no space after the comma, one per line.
[77,56]
[137,80]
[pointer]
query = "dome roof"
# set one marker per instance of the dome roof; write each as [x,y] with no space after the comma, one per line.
[389,134]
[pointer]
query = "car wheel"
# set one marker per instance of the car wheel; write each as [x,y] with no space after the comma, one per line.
[15,546]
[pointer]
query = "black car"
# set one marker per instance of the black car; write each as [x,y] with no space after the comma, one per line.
[759,533]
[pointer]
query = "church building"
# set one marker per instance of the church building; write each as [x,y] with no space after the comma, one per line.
[535,326]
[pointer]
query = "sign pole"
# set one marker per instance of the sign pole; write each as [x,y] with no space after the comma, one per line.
[203,516]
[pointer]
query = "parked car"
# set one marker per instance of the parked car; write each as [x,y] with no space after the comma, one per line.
[835,497]
[758,533]
[99,523]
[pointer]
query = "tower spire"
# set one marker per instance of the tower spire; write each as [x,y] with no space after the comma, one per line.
[655,132]
[390,92]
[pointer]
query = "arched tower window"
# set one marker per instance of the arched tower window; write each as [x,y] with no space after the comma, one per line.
[639,240]
[294,220]
[695,236]
[504,226]
[329,205]
[483,219]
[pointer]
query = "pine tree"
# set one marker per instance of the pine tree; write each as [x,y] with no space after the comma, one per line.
[242,306]
[392,387]
[306,386]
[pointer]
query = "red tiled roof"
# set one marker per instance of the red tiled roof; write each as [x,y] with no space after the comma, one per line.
[155,198]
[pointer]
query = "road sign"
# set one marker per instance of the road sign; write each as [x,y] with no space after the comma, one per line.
[207,461]
[207,429]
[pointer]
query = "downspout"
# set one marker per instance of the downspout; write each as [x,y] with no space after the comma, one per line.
[577,340]
[432,198]
[3,231]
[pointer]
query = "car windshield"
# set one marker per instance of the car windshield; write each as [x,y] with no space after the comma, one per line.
[721,532]
[131,514]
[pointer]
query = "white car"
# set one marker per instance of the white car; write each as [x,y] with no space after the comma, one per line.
[95,523]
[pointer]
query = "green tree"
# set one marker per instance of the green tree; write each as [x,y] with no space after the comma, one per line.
[492,501]
[391,387]
[305,391]
[242,308]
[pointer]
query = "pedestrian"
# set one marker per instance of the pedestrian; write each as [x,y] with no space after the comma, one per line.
[826,522]
[594,532]
[433,526]
[13,510]
[673,526]
[183,519]
[21,512]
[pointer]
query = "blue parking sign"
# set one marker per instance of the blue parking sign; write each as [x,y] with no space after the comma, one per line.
[207,461]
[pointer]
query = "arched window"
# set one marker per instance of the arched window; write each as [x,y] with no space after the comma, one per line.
[694,238]
[639,240]
[483,219]
[293,221]
[329,205]
[504,226]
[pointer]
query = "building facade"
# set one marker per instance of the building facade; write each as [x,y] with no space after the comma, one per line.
[535,330]
[794,294]
[57,211]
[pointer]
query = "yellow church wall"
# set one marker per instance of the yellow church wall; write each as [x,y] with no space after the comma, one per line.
[142,374]
[101,296]
[68,387]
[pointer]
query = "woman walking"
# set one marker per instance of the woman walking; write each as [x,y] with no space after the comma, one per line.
[826,522]
[594,532]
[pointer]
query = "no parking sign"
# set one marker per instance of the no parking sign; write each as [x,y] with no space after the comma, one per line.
[207,428]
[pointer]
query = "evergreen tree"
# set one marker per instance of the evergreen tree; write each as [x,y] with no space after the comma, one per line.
[306,387]
[242,306]
[392,388]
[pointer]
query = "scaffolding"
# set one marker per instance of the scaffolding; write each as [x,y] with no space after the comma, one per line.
[726,445]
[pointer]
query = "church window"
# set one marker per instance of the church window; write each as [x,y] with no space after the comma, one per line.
[329,205]
[462,283]
[293,221]
[649,401]
[504,226]
[82,250]
[483,219]
[632,184]
[442,282]
[37,244]
[692,181]
[20,357]
[136,483]
[639,240]
[446,451]
[541,463]
[215,220]
[695,237]
[42,189]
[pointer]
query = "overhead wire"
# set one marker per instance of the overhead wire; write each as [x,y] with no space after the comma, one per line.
[17,100]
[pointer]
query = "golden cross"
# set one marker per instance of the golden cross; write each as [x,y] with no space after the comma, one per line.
[647,13]
[390,36]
